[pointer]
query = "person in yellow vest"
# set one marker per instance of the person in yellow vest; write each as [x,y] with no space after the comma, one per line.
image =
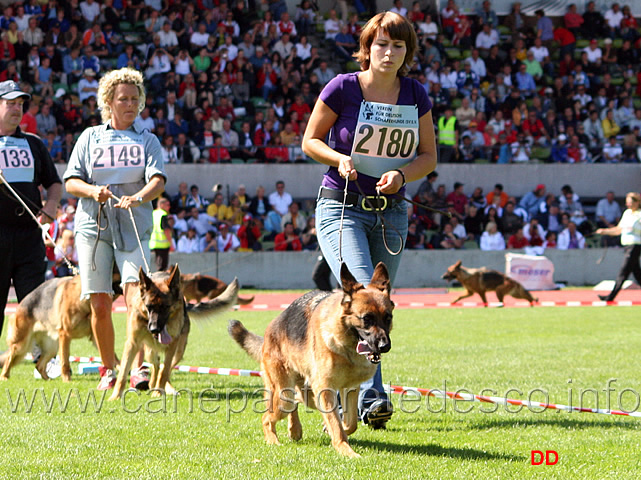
[161,235]
[447,136]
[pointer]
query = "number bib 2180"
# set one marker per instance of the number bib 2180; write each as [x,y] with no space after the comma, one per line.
[16,160]
[120,159]
[386,137]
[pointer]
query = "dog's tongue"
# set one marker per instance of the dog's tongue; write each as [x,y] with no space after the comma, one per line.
[164,337]
[363,348]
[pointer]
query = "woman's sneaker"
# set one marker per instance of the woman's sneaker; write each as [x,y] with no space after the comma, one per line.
[140,378]
[378,413]
[107,378]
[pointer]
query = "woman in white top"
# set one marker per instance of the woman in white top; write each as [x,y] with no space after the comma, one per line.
[629,228]
[492,238]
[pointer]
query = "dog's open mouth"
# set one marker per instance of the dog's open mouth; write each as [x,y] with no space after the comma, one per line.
[163,337]
[362,348]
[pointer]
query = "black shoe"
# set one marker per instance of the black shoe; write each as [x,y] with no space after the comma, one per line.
[377,414]
[605,298]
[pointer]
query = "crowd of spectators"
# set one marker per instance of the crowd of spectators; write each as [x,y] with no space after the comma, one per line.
[237,80]
[564,90]
[497,221]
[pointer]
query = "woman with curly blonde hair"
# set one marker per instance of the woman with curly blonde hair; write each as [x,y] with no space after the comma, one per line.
[115,159]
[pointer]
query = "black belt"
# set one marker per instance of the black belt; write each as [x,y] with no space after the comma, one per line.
[367,203]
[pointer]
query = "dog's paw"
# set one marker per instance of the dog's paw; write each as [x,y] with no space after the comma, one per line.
[114,397]
[3,378]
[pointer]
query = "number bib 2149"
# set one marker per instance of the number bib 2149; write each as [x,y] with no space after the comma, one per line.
[386,137]
[16,160]
[120,159]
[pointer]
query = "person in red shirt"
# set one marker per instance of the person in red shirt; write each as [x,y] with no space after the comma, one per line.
[28,123]
[517,240]
[533,129]
[287,240]
[498,191]
[249,235]
[457,198]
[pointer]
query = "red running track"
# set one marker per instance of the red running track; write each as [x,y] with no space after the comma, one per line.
[440,298]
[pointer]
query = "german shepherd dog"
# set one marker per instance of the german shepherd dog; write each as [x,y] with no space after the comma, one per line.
[326,342]
[51,316]
[198,286]
[481,280]
[159,319]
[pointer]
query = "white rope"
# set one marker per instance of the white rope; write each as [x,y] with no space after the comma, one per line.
[133,221]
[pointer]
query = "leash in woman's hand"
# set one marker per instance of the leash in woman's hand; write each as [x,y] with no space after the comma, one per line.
[133,222]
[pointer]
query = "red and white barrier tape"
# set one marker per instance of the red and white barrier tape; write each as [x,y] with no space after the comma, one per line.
[463,396]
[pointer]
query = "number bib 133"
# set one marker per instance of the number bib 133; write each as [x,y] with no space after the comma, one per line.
[116,162]
[16,160]
[386,137]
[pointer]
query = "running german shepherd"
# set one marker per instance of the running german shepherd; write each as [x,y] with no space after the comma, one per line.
[159,319]
[323,343]
[51,316]
[199,286]
[481,280]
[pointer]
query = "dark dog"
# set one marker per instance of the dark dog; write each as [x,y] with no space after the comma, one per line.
[199,286]
[51,316]
[481,280]
[322,343]
[159,318]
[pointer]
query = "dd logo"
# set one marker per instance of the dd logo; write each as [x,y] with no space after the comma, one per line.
[551,457]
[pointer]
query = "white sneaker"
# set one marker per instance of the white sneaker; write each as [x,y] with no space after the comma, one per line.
[52,368]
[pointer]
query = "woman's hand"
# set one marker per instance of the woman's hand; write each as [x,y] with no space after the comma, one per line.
[391,182]
[101,193]
[346,168]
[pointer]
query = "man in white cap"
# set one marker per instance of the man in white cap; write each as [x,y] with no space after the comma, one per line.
[88,85]
[26,165]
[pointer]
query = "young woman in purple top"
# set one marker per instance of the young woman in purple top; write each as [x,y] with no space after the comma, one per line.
[374,128]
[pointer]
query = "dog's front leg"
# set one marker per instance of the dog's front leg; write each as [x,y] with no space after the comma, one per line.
[349,398]
[132,345]
[465,295]
[328,405]
[165,370]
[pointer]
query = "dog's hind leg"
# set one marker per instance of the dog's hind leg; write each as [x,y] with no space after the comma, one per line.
[19,341]
[64,343]
[294,427]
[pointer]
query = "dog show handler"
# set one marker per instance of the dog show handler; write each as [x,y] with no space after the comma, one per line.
[25,164]
[629,228]
[381,135]
[117,158]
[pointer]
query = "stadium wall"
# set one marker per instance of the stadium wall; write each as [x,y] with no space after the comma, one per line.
[293,270]
[302,180]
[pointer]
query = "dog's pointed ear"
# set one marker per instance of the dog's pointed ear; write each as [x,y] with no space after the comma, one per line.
[380,279]
[145,281]
[174,277]
[349,283]
[458,264]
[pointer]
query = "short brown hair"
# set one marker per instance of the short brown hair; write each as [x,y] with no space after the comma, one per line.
[398,28]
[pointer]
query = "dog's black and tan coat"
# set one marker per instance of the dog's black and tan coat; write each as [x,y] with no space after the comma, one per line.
[482,280]
[159,319]
[323,343]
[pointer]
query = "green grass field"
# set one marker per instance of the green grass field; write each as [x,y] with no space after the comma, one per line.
[561,351]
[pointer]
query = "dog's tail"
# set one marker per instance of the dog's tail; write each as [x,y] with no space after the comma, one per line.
[250,342]
[245,300]
[221,303]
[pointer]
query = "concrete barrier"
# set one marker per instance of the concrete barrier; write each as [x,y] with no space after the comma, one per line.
[419,268]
